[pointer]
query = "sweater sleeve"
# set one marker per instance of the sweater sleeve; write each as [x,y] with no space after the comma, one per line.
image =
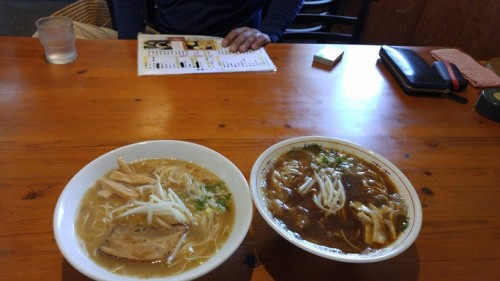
[278,16]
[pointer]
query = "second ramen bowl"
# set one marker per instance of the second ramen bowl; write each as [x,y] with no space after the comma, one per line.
[402,184]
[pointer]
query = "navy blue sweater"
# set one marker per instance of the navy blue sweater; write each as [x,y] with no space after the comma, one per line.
[208,17]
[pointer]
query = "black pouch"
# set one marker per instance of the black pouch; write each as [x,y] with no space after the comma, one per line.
[451,74]
[414,75]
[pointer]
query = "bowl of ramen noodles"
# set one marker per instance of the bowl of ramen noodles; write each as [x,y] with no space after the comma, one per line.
[336,199]
[155,210]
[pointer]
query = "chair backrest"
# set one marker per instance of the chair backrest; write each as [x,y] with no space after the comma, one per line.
[93,12]
[321,21]
[149,11]
[146,10]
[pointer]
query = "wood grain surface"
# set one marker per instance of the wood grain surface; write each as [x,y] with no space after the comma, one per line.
[54,119]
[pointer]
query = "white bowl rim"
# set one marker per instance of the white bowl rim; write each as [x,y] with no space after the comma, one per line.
[404,241]
[244,211]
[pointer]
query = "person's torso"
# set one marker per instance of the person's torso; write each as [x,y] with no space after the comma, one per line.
[206,17]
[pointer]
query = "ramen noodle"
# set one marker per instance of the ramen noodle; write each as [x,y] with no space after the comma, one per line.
[155,217]
[334,199]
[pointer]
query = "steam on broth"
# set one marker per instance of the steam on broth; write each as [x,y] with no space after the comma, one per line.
[145,205]
[334,199]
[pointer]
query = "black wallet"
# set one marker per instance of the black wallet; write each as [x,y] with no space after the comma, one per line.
[414,75]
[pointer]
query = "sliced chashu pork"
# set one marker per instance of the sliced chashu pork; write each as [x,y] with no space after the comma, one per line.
[142,243]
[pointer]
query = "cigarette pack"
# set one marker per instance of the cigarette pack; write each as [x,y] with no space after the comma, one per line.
[328,55]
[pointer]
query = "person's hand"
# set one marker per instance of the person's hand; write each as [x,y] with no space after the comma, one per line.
[244,38]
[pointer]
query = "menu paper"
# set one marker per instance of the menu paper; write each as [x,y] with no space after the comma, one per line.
[182,54]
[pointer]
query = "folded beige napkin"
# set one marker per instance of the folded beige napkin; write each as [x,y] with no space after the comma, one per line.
[475,73]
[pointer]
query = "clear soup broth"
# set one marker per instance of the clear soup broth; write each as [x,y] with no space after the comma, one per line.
[209,214]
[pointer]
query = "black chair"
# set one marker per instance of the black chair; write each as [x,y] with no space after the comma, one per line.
[320,21]
[148,10]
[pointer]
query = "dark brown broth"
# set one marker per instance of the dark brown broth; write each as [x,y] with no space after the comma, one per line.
[303,217]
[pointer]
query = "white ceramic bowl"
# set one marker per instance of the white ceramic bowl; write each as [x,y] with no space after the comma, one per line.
[410,197]
[69,202]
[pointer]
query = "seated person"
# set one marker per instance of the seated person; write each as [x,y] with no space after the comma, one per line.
[240,22]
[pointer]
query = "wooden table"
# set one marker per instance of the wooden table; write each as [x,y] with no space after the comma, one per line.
[54,119]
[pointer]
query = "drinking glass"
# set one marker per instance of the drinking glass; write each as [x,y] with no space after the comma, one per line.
[57,36]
